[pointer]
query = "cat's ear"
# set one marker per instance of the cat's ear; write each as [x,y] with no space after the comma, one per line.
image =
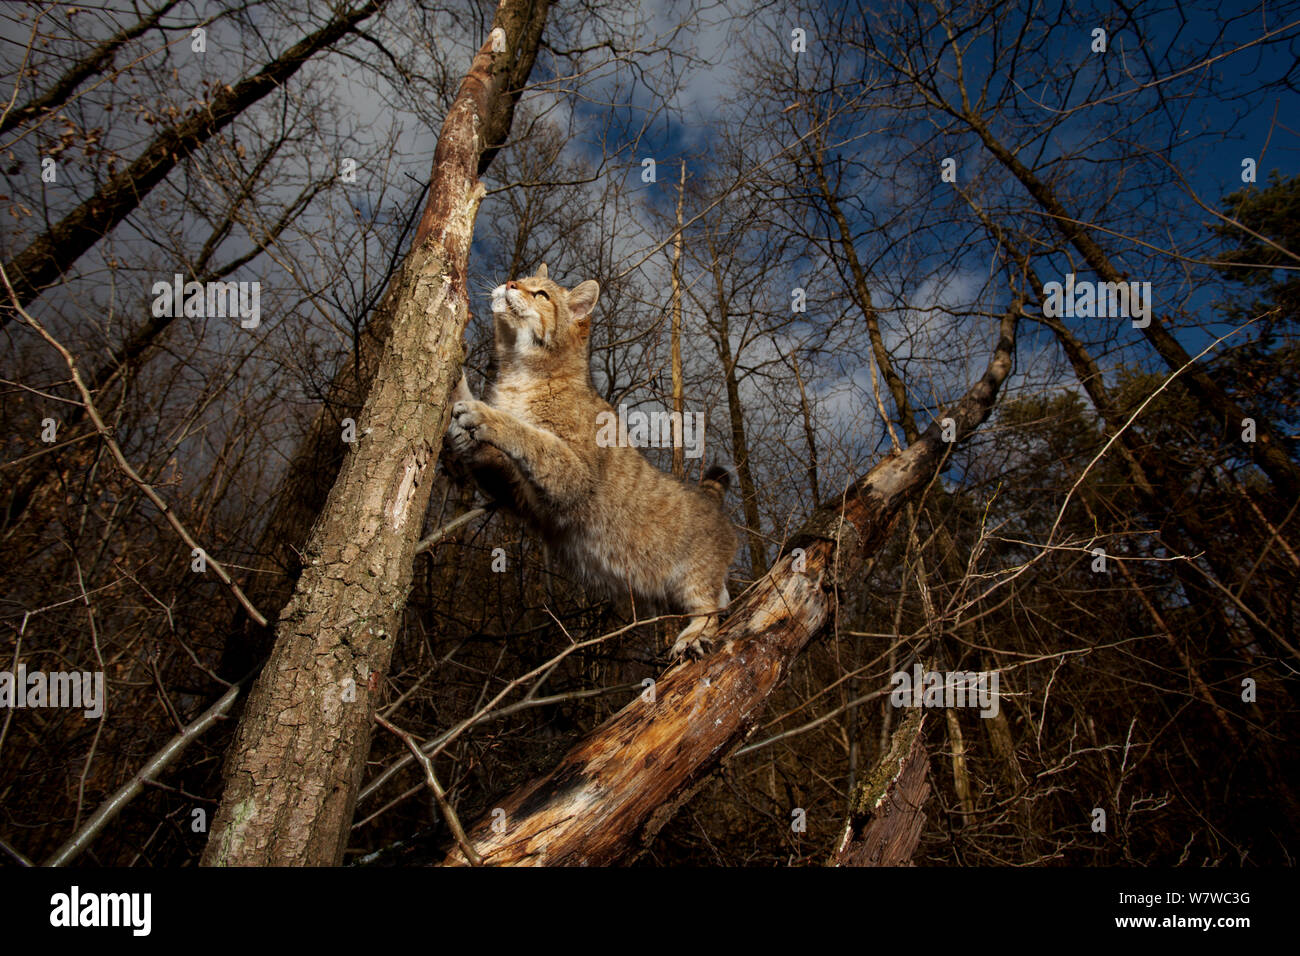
[541,272]
[582,299]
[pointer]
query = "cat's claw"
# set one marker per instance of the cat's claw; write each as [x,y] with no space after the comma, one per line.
[459,441]
[471,418]
[460,432]
[686,648]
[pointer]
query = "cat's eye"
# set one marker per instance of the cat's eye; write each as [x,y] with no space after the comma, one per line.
[542,293]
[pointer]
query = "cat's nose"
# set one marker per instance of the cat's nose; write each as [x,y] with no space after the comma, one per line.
[512,284]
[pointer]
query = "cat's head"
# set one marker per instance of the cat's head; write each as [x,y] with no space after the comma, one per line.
[537,316]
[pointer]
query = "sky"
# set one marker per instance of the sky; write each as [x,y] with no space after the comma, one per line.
[1212,117]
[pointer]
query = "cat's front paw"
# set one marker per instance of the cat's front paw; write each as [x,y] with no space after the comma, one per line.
[472,419]
[459,441]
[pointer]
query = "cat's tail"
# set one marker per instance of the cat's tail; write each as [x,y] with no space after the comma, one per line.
[716,482]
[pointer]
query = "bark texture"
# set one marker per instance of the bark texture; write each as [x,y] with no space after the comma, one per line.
[315,464]
[296,763]
[617,787]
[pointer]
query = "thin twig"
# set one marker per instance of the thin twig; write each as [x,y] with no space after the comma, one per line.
[107,434]
[516,707]
[22,860]
[448,813]
[436,745]
[447,529]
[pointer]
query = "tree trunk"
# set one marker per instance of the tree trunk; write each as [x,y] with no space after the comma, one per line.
[861,292]
[303,490]
[809,432]
[315,464]
[679,399]
[297,760]
[736,417]
[1159,488]
[613,791]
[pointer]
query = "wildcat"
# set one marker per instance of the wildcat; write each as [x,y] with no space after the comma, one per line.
[605,512]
